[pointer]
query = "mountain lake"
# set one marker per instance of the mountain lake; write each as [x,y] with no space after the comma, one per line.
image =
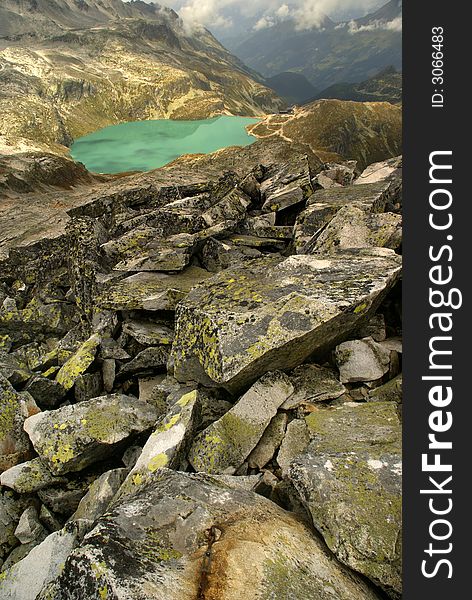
[146,145]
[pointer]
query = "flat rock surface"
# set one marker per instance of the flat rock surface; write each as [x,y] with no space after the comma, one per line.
[273,314]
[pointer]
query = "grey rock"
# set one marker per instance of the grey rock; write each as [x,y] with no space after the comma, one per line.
[274,314]
[70,438]
[148,360]
[374,328]
[362,360]
[148,333]
[108,374]
[11,509]
[218,255]
[95,502]
[295,442]
[350,481]
[225,444]
[269,442]
[88,386]
[179,528]
[29,528]
[49,519]
[287,184]
[389,392]
[313,383]
[233,206]
[26,579]
[381,171]
[48,393]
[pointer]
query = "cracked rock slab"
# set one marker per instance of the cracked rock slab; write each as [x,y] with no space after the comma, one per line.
[273,314]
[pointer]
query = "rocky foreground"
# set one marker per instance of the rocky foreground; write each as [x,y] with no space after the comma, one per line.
[200,383]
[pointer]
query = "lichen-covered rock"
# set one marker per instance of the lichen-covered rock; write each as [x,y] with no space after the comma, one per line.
[353,227]
[273,314]
[225,444]
[29,477]
[72,437]
[78,363]
[168,444]
[323,205]
[350,481]
[151,291]
[183,536]
[171,254]
[313,383]
[35,319]
[362,360]
[26,579]
[388,392]
[14,409]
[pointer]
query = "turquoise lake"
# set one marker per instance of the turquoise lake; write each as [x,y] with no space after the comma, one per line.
[146,145]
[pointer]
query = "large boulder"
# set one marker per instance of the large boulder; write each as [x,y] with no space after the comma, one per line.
[73,437]
[349,478]
[186,536]
[273,314]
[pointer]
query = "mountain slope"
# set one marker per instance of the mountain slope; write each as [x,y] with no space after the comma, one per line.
[293,87]
[69,67]
[335,129]
[345,52]
[386,86]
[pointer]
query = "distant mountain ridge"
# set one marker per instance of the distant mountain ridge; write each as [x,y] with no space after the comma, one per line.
[386,86]
[336,52]
[69,67]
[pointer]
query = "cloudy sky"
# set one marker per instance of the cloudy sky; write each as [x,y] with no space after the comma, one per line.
[259,14]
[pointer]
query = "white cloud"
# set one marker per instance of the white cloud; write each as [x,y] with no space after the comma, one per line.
[306,13]
[393,25]
[264,23]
